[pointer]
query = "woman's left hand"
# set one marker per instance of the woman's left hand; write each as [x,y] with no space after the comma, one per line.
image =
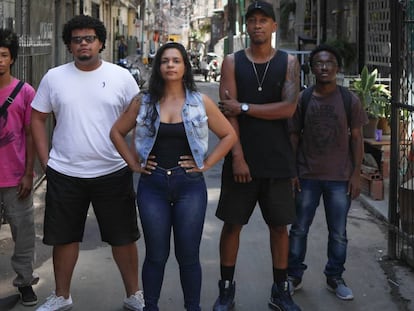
[187,162]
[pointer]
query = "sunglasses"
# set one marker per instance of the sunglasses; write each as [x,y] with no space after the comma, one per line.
[79,39]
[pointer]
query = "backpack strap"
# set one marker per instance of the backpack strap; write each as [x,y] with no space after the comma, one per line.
[9,100]
[305,99]
[346,99]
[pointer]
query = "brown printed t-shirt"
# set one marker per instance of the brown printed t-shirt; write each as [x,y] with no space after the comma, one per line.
[324,147]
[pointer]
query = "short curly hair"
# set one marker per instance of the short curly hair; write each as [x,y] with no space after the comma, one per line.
[326,48]
[9,40]
[84,22]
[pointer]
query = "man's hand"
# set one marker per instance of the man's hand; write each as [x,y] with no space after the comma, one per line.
[241,171]
[354,186]
[25,186]
[229,106]
[296,184]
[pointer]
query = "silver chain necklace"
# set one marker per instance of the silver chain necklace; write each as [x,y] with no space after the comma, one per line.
[260,82]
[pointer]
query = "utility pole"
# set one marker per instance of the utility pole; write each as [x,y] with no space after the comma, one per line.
[231,13]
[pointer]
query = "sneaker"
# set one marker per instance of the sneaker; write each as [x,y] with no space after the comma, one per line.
[135,302]
[338,286]
[35,279]
[225,301]
[27,295]
[294,284]
[280,299]
[55,303]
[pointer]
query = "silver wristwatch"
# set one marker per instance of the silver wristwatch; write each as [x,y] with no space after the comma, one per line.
[244,107]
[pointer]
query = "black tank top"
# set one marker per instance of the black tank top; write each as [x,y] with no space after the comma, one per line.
[266,144]
[170,144]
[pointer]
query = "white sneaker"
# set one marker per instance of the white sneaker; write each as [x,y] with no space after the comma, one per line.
[135,302]
[55,303]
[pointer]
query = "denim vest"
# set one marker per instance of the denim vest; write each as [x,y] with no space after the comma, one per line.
[195,123]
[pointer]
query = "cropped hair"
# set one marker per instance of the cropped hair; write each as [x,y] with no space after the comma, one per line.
[9,40]
[84,22]
[326,48]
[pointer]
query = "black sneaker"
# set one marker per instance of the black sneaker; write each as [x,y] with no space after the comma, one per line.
[27,295]
[280,300]
[225,301]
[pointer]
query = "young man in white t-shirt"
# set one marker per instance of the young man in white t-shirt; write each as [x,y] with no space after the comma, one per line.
[86,96]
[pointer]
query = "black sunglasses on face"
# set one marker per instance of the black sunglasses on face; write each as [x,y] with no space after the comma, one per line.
[79,39]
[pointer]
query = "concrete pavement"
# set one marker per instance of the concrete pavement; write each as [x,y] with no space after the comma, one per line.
[97,285]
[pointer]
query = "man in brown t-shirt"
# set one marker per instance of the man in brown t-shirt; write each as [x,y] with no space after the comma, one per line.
[329,152]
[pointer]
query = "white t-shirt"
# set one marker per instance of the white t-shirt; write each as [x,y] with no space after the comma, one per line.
[85,104]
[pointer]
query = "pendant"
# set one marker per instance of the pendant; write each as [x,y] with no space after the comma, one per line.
[259,88]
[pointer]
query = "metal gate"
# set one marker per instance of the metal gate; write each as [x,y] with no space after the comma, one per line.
[401,192]
[33,23]
[34,59]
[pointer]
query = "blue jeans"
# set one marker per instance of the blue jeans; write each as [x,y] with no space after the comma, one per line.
[337,204]
[172,199]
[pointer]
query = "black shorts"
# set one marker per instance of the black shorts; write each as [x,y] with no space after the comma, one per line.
[238,200]
[67,203]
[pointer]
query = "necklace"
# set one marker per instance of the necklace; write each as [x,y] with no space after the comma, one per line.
[260,82]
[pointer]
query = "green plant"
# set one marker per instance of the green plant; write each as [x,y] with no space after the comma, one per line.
[375,97]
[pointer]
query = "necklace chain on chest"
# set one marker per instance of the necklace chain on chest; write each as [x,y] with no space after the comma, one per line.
[260,81]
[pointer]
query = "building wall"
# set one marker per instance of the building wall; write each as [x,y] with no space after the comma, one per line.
[39,24]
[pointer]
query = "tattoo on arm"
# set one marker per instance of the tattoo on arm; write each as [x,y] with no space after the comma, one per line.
[290,89]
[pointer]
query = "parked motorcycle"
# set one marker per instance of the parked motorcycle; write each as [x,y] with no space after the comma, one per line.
[214,69]
[133,69]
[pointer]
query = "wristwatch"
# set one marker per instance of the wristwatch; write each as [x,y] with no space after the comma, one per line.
[244,107]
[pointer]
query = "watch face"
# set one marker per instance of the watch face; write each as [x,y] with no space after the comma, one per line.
[245,107]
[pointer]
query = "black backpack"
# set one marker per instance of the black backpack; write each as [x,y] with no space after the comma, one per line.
[346,98]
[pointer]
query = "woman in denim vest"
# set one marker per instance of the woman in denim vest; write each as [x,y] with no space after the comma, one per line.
[172,122]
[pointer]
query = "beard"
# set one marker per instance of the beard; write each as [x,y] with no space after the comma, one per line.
[84,57]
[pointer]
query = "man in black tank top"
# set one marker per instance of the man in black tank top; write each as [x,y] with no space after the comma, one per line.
[258,90]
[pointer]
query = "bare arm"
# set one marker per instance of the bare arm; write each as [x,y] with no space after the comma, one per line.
[123,125]
[270,111]
[357,146]
[222,128]
[41,141]
[26,184]
[228,88]
[294,140]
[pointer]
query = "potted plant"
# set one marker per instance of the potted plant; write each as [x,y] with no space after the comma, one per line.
[374,96]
